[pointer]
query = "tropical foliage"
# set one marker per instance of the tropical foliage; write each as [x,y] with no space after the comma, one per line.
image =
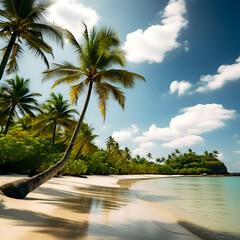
[25,20]
[16,95]
[56,113]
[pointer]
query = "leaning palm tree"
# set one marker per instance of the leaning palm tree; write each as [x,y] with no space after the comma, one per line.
[96,56]
[25,20]
[56,114]
[15,96]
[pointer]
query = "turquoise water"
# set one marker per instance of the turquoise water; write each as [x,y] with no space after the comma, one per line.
[212,203]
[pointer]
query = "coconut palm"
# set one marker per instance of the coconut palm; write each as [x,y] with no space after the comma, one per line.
[84,143]
[117,151]
[56,114]
[25,20]
[110,142]
[149,155]
[127,154]
[96,56]
[16,95]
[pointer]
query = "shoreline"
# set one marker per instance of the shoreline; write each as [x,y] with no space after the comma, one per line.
[97,207]
[173,212]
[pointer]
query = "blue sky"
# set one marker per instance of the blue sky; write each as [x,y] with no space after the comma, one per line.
[189,53]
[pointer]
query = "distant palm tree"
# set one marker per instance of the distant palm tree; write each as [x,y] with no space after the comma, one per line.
[127,154]
[177,151]
[16,95]
[215,153]
[110,143]
[149,155]
[117,149]
[25,20]
[160,160]
[99,52]
[56,113]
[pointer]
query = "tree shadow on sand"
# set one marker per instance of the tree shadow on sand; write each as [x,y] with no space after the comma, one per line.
[58,227]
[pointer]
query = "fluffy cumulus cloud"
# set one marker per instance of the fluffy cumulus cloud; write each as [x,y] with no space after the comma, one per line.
[71,13]
[186,141]
[153,43]
[125,135]
[225,73]
[144,148]
[180,87]
[184,129]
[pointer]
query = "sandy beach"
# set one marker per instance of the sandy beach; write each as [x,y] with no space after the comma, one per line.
[96,207]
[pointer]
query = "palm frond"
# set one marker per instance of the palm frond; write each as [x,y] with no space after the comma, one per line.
[61,70]
[77,90]
[123,77]
[53,31]
[16,55]
[68,79]
[102,93]
[116,93]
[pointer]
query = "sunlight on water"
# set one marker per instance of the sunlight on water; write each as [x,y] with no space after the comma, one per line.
[211,202]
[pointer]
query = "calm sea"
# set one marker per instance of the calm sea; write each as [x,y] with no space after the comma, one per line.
[209,205]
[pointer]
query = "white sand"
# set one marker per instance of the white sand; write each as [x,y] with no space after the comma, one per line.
[79,208]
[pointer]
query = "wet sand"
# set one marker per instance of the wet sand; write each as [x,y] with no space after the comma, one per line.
[99,207]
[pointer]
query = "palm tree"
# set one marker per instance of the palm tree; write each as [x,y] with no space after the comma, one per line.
[17,95]
[149,155]
[84,142]
[110,142]
[98,53]
[160,160]
[117,151]
[127,154]
[56,113]
[25,20]
[215,153]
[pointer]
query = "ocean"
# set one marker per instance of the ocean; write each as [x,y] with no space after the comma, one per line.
[207,206]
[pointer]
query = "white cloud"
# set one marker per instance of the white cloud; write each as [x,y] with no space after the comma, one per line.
[125,135]
[235,135]
[180,87]
[221,157]
[237,151]
[71,13]
[184,129]
[225,73]
[186,141]
[144,148]
[139,151]
[153,43]
[97,141]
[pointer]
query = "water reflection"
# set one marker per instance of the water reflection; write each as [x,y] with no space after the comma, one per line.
[96,199]
[206,201]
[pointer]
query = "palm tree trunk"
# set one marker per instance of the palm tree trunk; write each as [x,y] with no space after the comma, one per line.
[20,188]
[9,120]
[7,53]
[54,133]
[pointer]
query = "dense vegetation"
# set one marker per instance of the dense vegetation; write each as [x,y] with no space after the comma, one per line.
[29,151]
